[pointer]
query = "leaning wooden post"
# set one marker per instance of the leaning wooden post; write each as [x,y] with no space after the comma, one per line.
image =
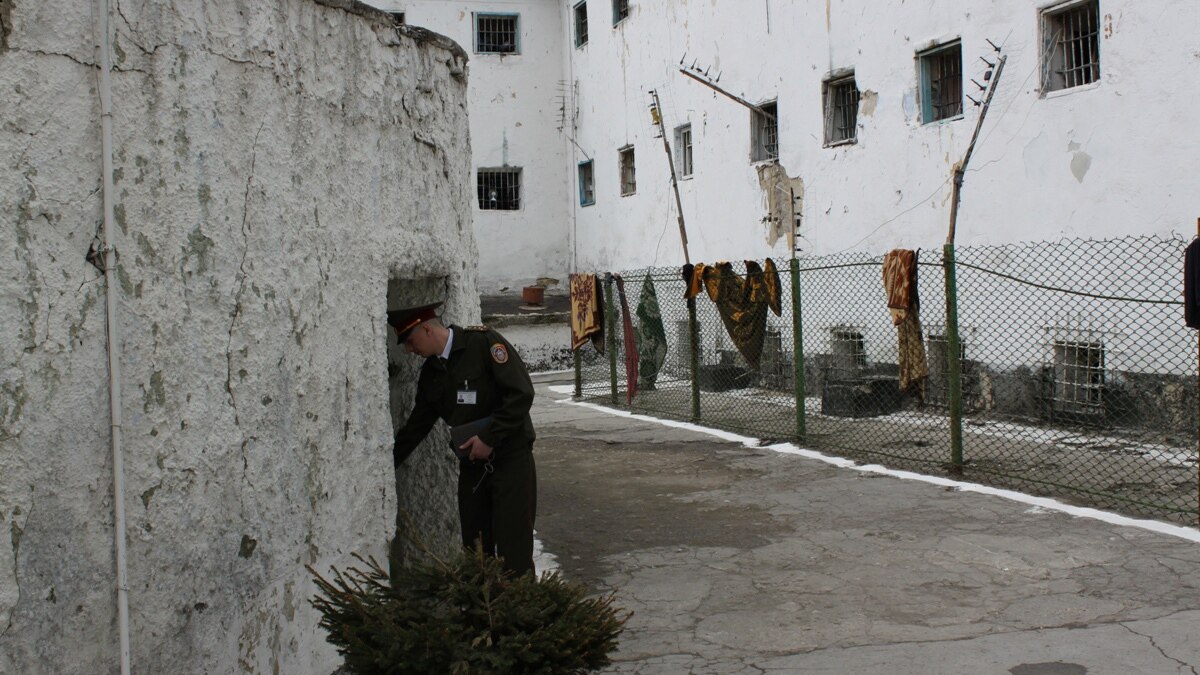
[953,350]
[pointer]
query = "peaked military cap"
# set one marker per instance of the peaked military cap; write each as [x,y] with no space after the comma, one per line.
[404,320]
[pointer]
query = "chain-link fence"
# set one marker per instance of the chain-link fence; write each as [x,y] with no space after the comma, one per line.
[1077,376]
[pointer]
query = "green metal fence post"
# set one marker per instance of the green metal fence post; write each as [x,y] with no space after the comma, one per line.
[798,352]
[953,361]
[694,360]
[610,316]
[578,374]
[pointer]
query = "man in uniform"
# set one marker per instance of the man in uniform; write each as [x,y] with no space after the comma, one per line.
[471,374]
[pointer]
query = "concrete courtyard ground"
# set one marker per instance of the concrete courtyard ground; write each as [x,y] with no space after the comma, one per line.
[740,560]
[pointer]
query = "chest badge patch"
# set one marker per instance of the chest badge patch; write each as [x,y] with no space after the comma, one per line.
[499,353]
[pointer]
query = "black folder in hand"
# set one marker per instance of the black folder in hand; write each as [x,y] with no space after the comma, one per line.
[463,433]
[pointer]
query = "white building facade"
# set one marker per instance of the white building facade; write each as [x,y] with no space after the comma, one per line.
[1087,136]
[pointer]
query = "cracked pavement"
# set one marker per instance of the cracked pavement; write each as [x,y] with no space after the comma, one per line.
[740,560]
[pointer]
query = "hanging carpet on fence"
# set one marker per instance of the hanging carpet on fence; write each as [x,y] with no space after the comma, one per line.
[651,336]
[742,304]
[587,311]
[771,279]
[631,349]
[904,305]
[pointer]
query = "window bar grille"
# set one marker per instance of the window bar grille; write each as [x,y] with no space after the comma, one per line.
[771,137]
[496,34]
[685,150]
[499,190]
[1079,377]
[945,83]
[1078,44]
[845,111]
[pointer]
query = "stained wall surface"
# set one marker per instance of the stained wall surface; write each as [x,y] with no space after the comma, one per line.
[277,166]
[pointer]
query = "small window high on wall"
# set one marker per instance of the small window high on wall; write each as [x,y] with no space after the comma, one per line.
[497,33]
[587,184]
[1071,45]
[581,24]
[683,150]
[620,10]
[628,171]
[941,82]
[499,189]
[841,110]
[764,132]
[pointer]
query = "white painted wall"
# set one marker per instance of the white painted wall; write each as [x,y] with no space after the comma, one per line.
[889,189]
[278,166]
[514,104]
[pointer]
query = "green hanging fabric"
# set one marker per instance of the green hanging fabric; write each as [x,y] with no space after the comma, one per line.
[651,336]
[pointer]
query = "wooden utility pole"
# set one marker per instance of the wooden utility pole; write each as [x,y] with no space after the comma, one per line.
[656,113]
[953,353]
[693,323]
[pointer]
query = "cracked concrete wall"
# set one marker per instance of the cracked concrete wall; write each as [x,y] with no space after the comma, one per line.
[276,165]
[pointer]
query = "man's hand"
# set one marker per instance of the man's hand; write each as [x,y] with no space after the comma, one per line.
[477,448]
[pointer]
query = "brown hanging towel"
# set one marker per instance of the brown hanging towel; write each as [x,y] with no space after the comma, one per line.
[900,283]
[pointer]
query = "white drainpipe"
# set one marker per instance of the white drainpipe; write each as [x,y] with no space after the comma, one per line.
[114,333]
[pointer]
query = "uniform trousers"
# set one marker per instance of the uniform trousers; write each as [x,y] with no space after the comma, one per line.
[498,508]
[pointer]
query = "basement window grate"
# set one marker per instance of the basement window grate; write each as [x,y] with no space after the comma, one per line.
[849,350]
[1078,385]
[499,189]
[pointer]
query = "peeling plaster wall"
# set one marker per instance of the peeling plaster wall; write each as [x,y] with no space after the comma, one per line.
[277,165]
[515,101]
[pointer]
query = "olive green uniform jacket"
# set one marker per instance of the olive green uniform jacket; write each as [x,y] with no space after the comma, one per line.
[483,362]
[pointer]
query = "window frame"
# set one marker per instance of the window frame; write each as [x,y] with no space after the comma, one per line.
[620,11]
[515,16]
[625,153]
[760,125]
[589,185]
[685,154]
[520,175]
[581,37]
[1048,20]
[924,67]
[830,90]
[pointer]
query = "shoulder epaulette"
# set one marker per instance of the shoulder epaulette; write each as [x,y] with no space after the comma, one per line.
[477,329]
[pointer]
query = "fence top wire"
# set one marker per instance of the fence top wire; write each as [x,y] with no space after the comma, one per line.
[1128,269]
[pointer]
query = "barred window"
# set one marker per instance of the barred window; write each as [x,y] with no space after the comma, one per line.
[497,34]
[941,83]
[1071,44]
[499,189]
[683,150]
[581,25]
[841,110]
[628,171]
[587,184]
[1078,377]
[620,10]
[764,132]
